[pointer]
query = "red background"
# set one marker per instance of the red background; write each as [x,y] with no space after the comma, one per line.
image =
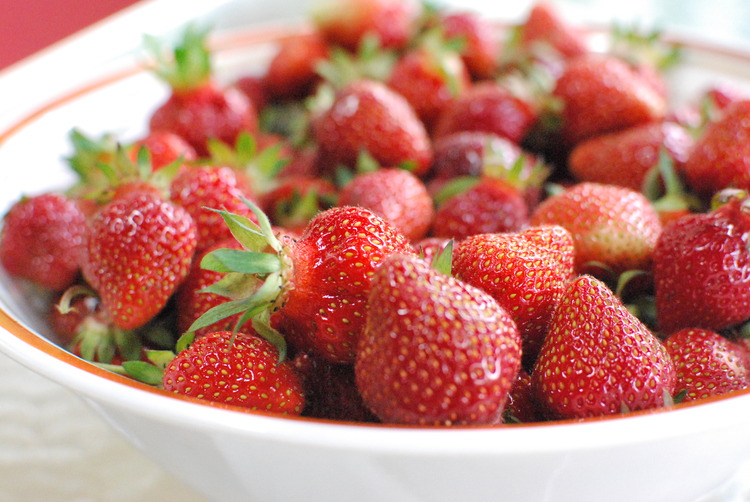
[27,26]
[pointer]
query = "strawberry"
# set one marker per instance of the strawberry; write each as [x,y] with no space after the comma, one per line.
[347,22]
[291,73]
[465,153]
[601,93]
[369,116]
[200,188]
[720,156]
[545,26]
[238,369]
[164,147]
[611,225]
[315,285]
[430,76]
[198,108]
[41,240]
[707,364]
[522,404]
[481,44]
[487,205]
[625,157]
[702,268]
[526,273]
[490,107]
[394,194]
[435,351]
[599,359]
[297,199]
[429,247]
[136,251]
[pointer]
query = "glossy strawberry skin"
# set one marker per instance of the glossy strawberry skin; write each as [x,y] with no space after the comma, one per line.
[625,157]
[367,115]
[702,270]
[291,72]
[544,25]
[720,158]
[481,52]
[602,94]
[707,364]
[490,206]
[204,112]
[435,350]
[612,225]
[238,370]
[164,147]
[394,194]
[598,359]
[488,106]
[325,297]
[41,240]
[202,188]
[524,274]
[137,250]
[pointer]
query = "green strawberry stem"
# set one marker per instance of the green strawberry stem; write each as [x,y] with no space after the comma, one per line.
[188,65]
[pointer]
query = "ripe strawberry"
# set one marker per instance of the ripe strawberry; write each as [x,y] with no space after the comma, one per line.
[429,247]
[526,273]
[481,50]
[544,25]
[291,73]
[488,106]
[488,205]
[598,359]
[316,285]
[347,22]
[367,115]
[239,369]
[611,225]
[137,250]
[435,351]
[522,404]
[41,240]
[202,188]
[702,268]
[707,364]
[625,157]
[164,147]
[198,108]
[430,76]
[720,156]
[297,199]
[394,194]
[600,94]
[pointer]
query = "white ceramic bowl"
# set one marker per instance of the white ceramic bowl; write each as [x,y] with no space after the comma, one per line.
[676,455]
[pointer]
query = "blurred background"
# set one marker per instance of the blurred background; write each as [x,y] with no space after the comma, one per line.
[53,447]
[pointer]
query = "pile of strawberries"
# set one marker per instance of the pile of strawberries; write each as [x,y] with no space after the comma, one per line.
[412,217]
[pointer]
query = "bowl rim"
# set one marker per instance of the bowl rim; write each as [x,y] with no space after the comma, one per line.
[112,390]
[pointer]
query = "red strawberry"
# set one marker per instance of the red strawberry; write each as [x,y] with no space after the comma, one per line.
[291,73]
[41,240]
[481,50]
[430,77]
[702,269]
[239,369]
[707,364]
[598,359]
[522,404]
[136,252]
[347,22]
[316,285]
[200,189]
[611,225]
[488,106]
[600,94]
[297,199]
[164,147]
[394,194]
[435,351]
[544,25]
[368,116]
[198,108]
[525,272]
[625,157]
[720,156]
[429,247]
[465,153]
[488,205]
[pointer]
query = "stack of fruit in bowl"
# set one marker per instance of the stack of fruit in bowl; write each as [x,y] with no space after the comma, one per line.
[411,217]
